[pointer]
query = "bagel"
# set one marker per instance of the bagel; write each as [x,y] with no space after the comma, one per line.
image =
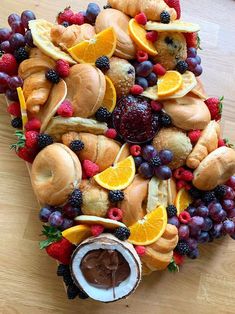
[56,172]
[125,48]
[86,89]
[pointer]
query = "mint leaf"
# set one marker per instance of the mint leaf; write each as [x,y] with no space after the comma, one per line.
[172,267]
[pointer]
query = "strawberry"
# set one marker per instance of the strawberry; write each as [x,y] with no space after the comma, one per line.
[26,147]
[215,107]
[26,154]
[65,16]
[31,139]
[62,68]
[8,64]
[176,5]
[179,259]
[33,125]
[193,40]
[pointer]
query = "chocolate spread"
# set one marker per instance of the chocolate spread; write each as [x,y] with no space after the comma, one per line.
[105,268]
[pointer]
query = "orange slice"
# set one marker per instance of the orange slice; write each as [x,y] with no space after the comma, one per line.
[88,51]
[117,177]
[138,35]
[182,201]
[110,96]
[169,83]
[95,220]
[149,229]
[22,106]
[77,234]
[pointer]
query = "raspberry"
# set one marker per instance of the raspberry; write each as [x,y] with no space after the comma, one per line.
[65,110]
[141,18]
[141,56]
[184,217]
[135,150]
[194,136]
[178,172]
[140,250]
[187,175]
[115,214]
[96,230]
[136,90]
[33,125]
[156,106]
[77,18]
[111,133]
[8,64]
[180,184]
[176,5]
[14,109]
[65,16]
[221,142]
[62,68]
[179,259]
[152,36]
[159,69]
[90,168]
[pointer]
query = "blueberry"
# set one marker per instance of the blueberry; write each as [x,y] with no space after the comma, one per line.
[152,79]
[142,82]
[92,12]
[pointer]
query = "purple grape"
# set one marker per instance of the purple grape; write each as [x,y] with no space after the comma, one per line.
[174,221]
[214,208]
[191,210]
[192,243]
[152,79]
[67,223]
[219,217]
[228,227]
[166,156]
[163,172]
[144,68]
[4,79]
[216,231]
[149,152]
[5,34]
[145,170]
[199,60]
[202,211]
[193,254]
[231,213]
[92,12]
[12,95]
[192,63]
[17,27]
[27,16]
[56,219]
[194,233]
[231,182]
[44,214]
[192,52]
[13,18]
[198,203]
[15,81]
[198,70]
[183,232]
[203,237]
[142,82]
[6,47]
[71,212]
[17,40]
[228,204]
[208,224]
[196,222]
[138,161]
[229,195]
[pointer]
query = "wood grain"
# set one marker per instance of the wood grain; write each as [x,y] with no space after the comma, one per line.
[27,276]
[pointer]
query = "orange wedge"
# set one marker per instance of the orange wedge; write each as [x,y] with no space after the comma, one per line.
[110,96]
[149,229]
[182,201]
[88,51]
[138,35]
[169,83]
[22,106]
[117,177]
[77,234]
[95,220]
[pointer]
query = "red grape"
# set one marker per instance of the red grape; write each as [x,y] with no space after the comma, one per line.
[166,156]
[17,27]
[149,152]
[202,211]
[13,18]
[192,243]
[208,224]
[6,47]
[5,34]
[44,214]
[228,227]
[193,254]
[152,79]
[163,172]
[230,194]
[191,210]
[144,68]
[67,223]
[29,39]
[174,221]
[145,170]
[27,16]
[196,222]
[138,161]
[70,211]
[192,52]
[55,219]
[214,208]
[203,237]
[216,231]
[198,59]
[15,81]
[198,70]
[231,182]
[228,204]
[183,232]
[192,63]
[17,40]
[220,216]
[12,95]
[4,79]
[231,213]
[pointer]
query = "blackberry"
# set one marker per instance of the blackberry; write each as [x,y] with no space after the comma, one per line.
[65,24]
[76,146]
[220,191]
[102,115]
[21,54]
[165,17]
[52,76]
[209,197]
[155,161]
[103,63]
[63,269]
[44,140]
[195,193]
[165,120]
[116,196]
[17,123]
[171,211]
[75,198]
[122,233]
[181,66]
[67,279]
[107,6]
[182,248]
[72,291]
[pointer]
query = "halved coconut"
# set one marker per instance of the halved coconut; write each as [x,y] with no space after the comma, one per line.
[106,242]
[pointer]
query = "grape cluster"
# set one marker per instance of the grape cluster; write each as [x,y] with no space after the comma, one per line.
[194,62]
[208,222]
[145,77]
[155,163]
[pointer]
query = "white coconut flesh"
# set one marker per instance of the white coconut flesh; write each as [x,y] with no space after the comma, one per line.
[107,242]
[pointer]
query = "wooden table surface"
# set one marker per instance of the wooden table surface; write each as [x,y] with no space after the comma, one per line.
[27,276]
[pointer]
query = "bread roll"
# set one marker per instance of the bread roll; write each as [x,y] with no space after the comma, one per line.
[215,169]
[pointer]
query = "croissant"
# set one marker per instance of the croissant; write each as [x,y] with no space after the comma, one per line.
[36,87]
[152,8]
[206,144]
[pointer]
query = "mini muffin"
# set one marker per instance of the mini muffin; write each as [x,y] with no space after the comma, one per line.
[122,74]
[171,48]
